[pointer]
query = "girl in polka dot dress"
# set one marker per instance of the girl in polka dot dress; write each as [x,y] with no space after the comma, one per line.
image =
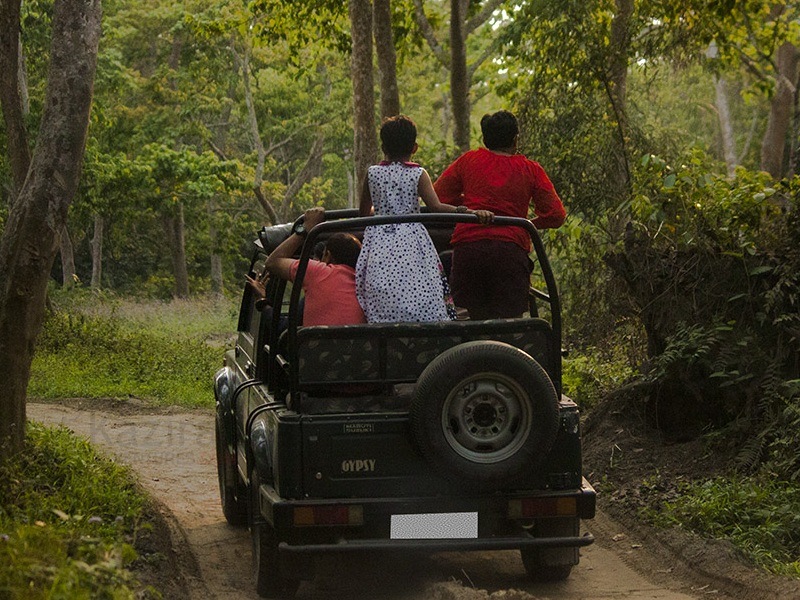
[399,276]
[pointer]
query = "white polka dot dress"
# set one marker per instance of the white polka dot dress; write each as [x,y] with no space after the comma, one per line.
[399,274]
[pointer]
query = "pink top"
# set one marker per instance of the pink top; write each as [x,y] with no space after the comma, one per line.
[506,185]
[330,294]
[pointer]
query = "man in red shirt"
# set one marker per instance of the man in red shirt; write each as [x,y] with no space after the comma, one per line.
[329,284]
[490,272]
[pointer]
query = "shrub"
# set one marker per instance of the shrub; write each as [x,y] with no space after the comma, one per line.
[68,521]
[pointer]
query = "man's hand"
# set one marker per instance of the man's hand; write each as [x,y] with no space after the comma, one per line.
[313,217]
[484,216]
[281,259]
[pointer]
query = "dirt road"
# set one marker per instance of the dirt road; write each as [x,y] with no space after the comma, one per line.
[172,451]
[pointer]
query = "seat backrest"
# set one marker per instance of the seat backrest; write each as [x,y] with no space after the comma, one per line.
[398,352]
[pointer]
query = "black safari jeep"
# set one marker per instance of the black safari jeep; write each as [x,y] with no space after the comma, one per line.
[401,436]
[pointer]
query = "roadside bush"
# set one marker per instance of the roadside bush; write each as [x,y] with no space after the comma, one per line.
[68,521]
[759,516]
[711,266]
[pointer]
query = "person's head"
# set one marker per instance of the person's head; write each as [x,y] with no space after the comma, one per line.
[342,249]
[500,130]
[319,250]
[398,137]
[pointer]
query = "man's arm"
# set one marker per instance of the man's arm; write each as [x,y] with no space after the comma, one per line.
[449,186]
[547,206]
[281,259]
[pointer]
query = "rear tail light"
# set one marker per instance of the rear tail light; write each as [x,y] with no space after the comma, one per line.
[528,508]
[309,516]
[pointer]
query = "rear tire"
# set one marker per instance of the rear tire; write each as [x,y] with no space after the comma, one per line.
[270,583]
[538,571]
[551,564]
[233,496]
[484,415]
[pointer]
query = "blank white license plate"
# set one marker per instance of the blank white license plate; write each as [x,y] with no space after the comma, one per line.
[435,526]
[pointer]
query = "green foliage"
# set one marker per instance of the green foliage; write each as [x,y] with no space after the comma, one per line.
[590,374]
[68,519]
[711,267]
[687,205]
[158,351]
[759,516]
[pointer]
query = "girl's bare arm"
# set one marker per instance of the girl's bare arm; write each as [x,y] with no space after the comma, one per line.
[365,208]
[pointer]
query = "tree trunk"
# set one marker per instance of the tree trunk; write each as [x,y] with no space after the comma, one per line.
[97,253]
[311,169]
[11,98]
[213,245]
[174,229]
[617,90]
[387,58]
[620,45]
[30,238]
[243,65]
[22,81]
[773,146]
[67,253]
[365,141]
[726,126]
[459,84]
[460,74]
[216,269]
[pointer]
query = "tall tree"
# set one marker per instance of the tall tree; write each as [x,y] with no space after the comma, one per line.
[619,52]
[366,144]
[30,239]
[782,110]
[11,93]
[462,24]
[387,58]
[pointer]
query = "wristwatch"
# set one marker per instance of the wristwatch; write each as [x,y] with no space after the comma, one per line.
[461,209]
[299,228]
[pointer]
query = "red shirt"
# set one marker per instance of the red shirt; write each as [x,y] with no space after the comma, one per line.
[330,294]
[506,185]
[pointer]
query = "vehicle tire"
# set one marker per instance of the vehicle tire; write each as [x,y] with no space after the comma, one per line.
[270,583]
[484,414]
[551,564]
[233,497]
[540,572]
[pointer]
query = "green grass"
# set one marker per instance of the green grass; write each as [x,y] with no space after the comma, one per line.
[99,347]
[761,517]
[68,522]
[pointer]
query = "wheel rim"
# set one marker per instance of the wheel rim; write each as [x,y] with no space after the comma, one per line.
[487,418]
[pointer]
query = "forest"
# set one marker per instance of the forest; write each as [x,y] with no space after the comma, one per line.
[670,130]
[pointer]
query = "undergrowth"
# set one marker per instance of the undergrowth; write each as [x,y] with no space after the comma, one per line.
[760,516]
[68,522]
[165,353]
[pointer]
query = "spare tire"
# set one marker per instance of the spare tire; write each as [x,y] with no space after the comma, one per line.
[484,414]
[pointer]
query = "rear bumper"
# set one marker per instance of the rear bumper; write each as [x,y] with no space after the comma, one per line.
[496,522]
[450,545]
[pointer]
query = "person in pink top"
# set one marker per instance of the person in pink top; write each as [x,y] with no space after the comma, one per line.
[490,272]
[329,284]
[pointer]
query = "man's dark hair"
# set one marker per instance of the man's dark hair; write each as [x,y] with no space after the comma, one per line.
[499,129]
[398,136]
[344,249]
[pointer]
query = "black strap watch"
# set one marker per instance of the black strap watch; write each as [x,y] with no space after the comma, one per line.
[299,228]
